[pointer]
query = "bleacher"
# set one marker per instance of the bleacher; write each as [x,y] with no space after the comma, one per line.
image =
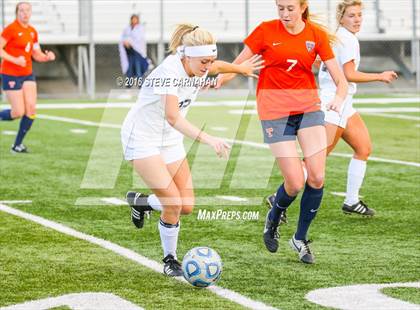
[58,21]
[68,27]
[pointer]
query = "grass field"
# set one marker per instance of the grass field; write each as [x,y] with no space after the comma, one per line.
[66,174]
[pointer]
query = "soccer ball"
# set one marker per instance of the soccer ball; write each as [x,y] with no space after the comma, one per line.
[202,266]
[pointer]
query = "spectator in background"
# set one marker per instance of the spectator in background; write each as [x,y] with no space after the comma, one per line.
[132,48]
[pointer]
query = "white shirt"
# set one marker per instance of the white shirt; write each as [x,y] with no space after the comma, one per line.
[146,124]
[345,50]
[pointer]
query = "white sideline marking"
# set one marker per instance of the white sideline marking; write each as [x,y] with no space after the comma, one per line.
[361,110]
[232,103]
[219,128]
[142,260]
[199,201]
[76,121]
[114,201]
[232,198]
[378,159]
[78,131]
[398,116]
[249,143]
[341,194]
[78,301]
[366,296]
[9,132]
[15,201]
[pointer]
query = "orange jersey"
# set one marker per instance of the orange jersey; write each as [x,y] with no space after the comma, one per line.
[287,85]
[20,42]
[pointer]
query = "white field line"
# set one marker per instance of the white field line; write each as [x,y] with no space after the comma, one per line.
[114,201]
[78,131]
[248,143]
[9,202]
[378,159]
[361,110]
[231,103]
[199,201]
[396,116]
[129,254]
[232,198]
[341,194]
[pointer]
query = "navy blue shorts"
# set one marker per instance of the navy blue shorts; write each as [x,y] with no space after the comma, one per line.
[10,82]
[286,128]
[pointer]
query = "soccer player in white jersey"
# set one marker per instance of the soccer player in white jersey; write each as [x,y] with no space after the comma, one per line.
[152,132]
[348,124]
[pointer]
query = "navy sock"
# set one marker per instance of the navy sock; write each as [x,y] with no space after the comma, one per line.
[6,115]
[25,125]
[309,205]
[282,202]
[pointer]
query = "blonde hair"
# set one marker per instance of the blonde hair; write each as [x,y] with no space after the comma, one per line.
[189,35]
[342,7]
[314,19]
[21,3]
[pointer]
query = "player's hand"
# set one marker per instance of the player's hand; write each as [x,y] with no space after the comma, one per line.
[388,76]
[335,105]
[220,80]
[20,61]
[251,65]
[50,55]
[220,146]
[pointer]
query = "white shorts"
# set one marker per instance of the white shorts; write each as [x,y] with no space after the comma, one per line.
[169,154]
[333,117]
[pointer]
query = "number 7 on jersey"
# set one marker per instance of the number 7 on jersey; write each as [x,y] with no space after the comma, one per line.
[293,63]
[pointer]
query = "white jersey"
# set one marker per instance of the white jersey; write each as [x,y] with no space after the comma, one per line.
[346,49]
[145,124]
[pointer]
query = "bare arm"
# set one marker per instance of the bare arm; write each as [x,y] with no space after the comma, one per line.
[177,121]
[246,67]
[20,61]
[245,54]
[355,76]
[341,83]
[40,56]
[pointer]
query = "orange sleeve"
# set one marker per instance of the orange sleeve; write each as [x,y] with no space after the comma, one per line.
[324,49]
[7,33]
[255,41]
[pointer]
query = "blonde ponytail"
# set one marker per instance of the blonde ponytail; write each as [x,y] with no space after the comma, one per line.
[189,35]
[314,19]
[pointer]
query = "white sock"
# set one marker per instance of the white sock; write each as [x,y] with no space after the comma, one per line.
[154,202]
[169,237]
[355,176]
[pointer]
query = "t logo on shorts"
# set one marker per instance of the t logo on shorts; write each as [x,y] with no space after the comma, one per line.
[269,132]
[12,84]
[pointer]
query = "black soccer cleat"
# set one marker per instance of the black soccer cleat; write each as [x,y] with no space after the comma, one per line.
[139,206]
[358,208]
[171,267]
[271,235]
[270,200]
[19,149]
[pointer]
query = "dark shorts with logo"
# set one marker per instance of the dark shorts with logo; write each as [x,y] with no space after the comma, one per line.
[10,82]
[286,128]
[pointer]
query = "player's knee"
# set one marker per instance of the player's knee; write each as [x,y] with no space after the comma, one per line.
[17,113]
[294,187]
[364,152]
[188,204]
[316,180]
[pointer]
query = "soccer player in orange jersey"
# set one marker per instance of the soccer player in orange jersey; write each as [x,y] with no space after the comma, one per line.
[289,108]
[18,45]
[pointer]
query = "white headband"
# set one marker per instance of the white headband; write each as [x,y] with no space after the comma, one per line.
[198,51]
